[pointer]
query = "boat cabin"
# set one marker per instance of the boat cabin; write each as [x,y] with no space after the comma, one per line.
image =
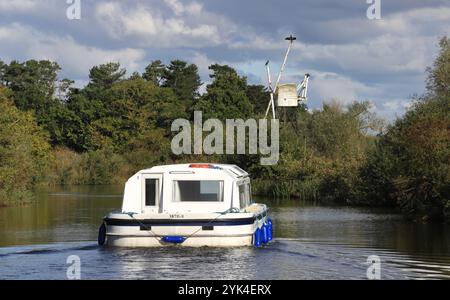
[187,188]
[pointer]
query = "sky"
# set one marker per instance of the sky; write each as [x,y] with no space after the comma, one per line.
[349,56]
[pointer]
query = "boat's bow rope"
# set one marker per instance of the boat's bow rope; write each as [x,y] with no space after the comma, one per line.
[230,210]
[143,225]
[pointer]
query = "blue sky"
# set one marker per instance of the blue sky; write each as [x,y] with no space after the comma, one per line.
[349,56]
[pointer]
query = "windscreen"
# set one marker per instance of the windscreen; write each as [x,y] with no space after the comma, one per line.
[198,191]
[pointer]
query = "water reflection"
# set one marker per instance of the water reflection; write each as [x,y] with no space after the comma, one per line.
[311,242]
[65,214]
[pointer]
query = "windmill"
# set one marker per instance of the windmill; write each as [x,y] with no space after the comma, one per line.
[288,94]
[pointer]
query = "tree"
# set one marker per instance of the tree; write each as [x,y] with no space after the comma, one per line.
[336,132]
[135,75]
[63,88]
[411,164]
[33,83]
[418,147]
[154,72]
[133,105]
[67,128]
[183,79]
[105,75]
[438,82]
[3,67]
[259,96]
[226,97]
[24,152]
[93,103]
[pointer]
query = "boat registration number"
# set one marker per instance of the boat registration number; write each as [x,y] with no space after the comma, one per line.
[176,216]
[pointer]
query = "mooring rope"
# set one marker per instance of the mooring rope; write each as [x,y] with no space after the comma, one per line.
[230,210]
[130,214]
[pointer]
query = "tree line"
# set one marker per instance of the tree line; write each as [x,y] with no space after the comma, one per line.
[54,133]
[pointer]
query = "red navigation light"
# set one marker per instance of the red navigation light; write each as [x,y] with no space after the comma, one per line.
[206,166]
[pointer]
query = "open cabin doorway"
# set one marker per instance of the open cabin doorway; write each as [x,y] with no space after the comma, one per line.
[152,193]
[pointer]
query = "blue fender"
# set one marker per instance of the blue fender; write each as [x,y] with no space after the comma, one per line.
[269,229]
[173,239]
[257,238]
[264,230]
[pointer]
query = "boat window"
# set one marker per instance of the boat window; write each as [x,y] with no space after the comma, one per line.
[247,194]
[244,195]
[198,191]
[151,191]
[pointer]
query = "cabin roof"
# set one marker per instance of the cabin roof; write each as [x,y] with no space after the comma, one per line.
[229,169]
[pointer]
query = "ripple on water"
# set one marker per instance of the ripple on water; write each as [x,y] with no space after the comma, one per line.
[283,259]
[312,242]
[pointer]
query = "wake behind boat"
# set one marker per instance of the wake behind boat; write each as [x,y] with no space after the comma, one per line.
[188,204]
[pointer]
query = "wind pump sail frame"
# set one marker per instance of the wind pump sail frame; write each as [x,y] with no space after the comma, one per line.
[302,88]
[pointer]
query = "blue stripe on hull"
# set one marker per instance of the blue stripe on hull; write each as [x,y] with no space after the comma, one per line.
[119,222]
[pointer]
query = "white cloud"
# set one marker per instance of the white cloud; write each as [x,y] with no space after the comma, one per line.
[391,109]
[18,5]
[400,43]
[328,85]
[414,21]
[256,42]
[189,27]
[384,54]
[73,57]
[203,62]
[395,105]
[176,6]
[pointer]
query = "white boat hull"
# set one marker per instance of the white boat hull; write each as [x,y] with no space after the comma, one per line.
[213,241]
[226,231]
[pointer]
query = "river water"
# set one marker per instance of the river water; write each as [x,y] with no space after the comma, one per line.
[311,242]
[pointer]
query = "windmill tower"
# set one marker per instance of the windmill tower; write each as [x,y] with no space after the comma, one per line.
[288,94]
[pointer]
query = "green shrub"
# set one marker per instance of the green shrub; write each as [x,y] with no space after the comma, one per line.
[24,153]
